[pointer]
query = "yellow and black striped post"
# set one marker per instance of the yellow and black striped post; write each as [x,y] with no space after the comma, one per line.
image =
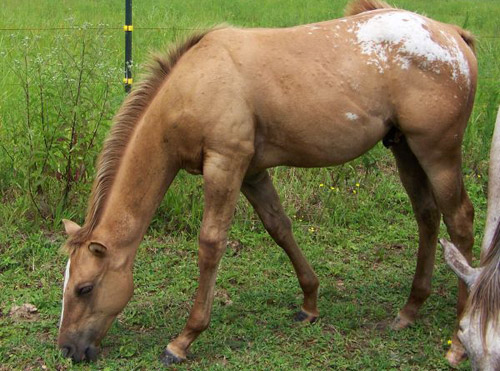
[128,28]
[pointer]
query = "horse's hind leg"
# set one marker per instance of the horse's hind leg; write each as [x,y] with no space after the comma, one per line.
[441,161]
[261,193]
[428,216]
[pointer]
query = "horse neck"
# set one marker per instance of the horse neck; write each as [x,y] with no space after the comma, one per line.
[143,176]
[493,213]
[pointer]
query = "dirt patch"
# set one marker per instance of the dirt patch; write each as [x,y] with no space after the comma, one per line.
[25,312]
[236,246]
[223,297]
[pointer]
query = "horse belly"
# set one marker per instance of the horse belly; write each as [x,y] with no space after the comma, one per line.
[317,143]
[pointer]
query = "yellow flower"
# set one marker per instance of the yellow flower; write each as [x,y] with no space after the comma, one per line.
[479,175]
[311,229]
[449,342]
[321,185]
[354,191]
[357,184]
[332,188]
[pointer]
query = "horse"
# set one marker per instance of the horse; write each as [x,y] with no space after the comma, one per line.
[478,330]
[229,103]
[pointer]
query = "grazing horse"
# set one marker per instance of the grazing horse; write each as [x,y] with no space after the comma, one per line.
[230,103]
[479,329]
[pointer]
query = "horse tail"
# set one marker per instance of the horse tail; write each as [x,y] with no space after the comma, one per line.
[361,6]
[468,37]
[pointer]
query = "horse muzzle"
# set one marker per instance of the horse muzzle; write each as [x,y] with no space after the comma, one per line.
[78,354]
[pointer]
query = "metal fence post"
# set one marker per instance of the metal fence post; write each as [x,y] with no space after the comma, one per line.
[128,28]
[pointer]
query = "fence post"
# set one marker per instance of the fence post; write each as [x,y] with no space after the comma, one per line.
[128,28]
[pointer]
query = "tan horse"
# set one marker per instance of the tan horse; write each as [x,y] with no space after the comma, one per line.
[230,103]
[479,328]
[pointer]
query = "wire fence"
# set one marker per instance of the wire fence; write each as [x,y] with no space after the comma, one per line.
[138,28]
[147,28]
[97,28]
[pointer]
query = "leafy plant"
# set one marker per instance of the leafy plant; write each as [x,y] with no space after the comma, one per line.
[53,139]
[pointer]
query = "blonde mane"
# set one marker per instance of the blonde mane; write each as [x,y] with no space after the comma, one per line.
[125,122]
[485,295]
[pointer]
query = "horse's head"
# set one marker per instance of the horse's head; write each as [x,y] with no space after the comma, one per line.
[478,328]
[97,286]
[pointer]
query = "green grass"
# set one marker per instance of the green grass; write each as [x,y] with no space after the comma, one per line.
[363,246]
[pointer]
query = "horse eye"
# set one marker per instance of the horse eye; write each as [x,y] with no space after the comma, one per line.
[85,290]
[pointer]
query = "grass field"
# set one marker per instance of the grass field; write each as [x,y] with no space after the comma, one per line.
[359,236]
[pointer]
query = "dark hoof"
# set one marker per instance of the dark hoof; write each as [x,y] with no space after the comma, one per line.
[168,358]
[304,317]
[401,322]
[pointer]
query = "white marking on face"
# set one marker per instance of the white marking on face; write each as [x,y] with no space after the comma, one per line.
[481,358]
[405,34]
[351,116]
[66,279]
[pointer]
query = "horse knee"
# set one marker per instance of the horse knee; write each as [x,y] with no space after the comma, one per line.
[210,250]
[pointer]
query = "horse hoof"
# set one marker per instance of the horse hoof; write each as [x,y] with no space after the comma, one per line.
[456,354]
[305,317]
[168,358]
[400,323]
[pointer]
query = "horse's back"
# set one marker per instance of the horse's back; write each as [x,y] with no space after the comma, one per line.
[325,93]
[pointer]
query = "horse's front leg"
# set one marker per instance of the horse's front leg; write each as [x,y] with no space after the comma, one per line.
[223,175]
[259,190]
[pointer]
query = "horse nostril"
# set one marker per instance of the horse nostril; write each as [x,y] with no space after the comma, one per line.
[91,353]
[67,351]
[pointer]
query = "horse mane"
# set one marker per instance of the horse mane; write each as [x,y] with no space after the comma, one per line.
[485,294]
[361,6]
[124,124]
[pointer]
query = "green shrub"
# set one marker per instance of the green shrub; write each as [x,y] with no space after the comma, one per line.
[66,95]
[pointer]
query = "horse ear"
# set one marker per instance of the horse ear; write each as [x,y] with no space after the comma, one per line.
[459,264]
[97,249]
[70,227]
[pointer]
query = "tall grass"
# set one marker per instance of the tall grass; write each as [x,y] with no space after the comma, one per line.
[47,178]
